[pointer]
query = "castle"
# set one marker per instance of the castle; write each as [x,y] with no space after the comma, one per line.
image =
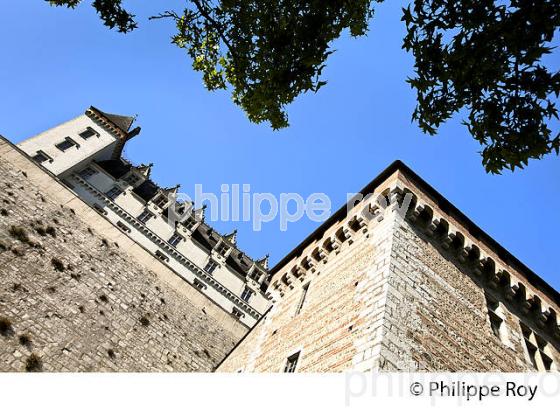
[96,278]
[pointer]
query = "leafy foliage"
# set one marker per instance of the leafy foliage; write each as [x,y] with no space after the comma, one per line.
[481,57]
[484,56]
[111,12]
[268,51]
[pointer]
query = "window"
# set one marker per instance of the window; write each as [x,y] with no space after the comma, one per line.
[41,157]
[496,317]
[199,285]
[247,293]
[66,144]
[222,249]
[88,133]
[302,298]
[161,201]
[189,223]
[99,209]
[175,239]
[255,275]
[537,349]
[496,324]
[237,313]
[113,193]
[291,363]
[495,320]
[211,266]
[161,256]
[132,179]
[145,216]
[123,226]
[87,172]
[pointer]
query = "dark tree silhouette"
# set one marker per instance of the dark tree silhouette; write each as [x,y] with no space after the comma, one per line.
[480,57]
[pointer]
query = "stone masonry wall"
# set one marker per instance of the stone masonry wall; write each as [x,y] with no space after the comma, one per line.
[77,295]
[436,316]
[340,324]
[391,299]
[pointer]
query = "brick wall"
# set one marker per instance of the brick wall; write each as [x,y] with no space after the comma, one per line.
[77,295]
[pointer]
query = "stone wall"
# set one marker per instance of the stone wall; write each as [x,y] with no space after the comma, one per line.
[78,295]
[341,322]
[436,317]
[392,298]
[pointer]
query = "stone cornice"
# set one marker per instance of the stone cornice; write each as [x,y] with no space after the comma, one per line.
[455,239]
[483,262]
[104,122]
[398,172]
[179,257]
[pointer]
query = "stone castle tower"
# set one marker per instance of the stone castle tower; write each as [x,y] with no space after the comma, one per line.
[402,280]
[94,278]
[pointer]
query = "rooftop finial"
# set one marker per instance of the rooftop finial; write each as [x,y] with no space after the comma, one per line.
[264,261]
[232,237]
[145,170]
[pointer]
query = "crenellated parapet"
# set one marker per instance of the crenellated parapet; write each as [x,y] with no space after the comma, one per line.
[325,248]
[454,234]
[484,262]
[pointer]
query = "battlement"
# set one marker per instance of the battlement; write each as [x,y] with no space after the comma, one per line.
[400,279]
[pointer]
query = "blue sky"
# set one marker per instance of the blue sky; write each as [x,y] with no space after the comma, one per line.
[56,62]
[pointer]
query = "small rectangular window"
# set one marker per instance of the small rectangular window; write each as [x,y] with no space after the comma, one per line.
[175,239]
[123,226]
[145,216]
[496,317]
[99,209]
[496,324]
[255,275]
[222,249]
[161,201]
[189,223]
[211,266]
[113,193]
[237,313]
[246,294]
[132,179]
[87,172]
[291,363]
[41,157]
[199,285]
[66,144]
[302,298]
[88,133]
[161,256]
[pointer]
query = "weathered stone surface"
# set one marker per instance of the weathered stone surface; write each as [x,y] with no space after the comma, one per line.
[389,293]
[392,298]
[78,301]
